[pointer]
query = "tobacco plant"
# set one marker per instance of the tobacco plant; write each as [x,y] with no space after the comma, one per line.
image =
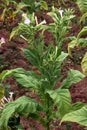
[11,9]
[62,19]
[33,5]
[48,61]
[79,42]
[83,9]
[28,28]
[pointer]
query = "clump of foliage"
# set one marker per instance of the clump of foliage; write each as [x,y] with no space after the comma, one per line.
[11,9]
[48,60]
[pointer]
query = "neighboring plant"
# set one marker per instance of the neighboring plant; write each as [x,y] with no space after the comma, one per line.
[14,122]
[79,116]
[28,28]
[62,19]
[80,42]
[33,5]
[11,9]
[48,61]
[82,4]
[61,3]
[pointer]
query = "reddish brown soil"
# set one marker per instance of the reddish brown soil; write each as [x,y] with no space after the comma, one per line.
[12,57]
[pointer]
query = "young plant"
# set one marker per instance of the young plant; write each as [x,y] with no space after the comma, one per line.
[28,28]
[9,12]
[11,9]
[48,61]
[62,20]
[33,5]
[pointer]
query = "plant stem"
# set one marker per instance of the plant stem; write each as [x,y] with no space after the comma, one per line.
[48,113]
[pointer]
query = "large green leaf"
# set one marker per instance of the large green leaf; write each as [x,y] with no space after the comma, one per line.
[29,81]
[7,73]
[84,64]
[74,76]
[62,99]
[23,106]
[79,116]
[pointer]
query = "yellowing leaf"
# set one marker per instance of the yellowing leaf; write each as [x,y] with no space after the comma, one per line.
[84,64]
[79,116]
[1,92]
[44,5]
[71,45]
[82,32]
[13,33]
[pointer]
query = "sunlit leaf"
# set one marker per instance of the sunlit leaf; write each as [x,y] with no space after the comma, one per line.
[43,5]
[71,46]
[79,116]
[23,106]
[84,64]
[14,33]
[82,32]
[74,76]
[62,99]
[82,4]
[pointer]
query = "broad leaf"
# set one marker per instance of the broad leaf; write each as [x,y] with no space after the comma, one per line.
[79,116]
[77,105]
[23,106]
[82,4]
[62,99]
[84,64]
[29,80]
[74,76]
[61,57]
[5,74]
[82,32]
